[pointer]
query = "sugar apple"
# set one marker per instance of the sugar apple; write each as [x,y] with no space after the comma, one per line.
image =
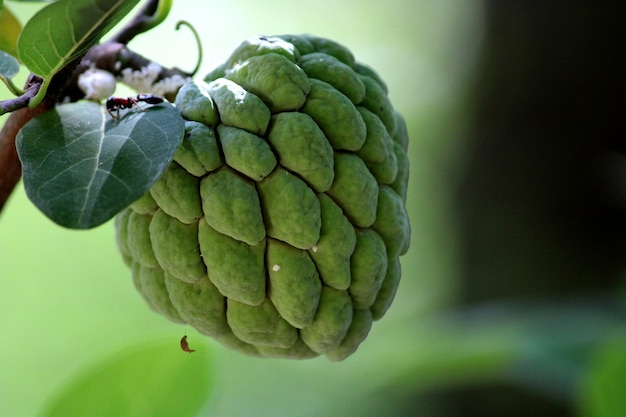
[278,227]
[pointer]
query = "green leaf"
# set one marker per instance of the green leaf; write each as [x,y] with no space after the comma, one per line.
[9,30]
[604,388]
[9,66]
[80,167]
[62,31]
[156,380]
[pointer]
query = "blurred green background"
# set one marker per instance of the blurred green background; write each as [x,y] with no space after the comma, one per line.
[509,302]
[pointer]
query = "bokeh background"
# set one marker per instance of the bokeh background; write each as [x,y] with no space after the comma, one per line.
[512,296]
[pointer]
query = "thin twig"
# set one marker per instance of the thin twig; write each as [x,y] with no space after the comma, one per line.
[137,24]
[117,59]
[112,56]
[11,105]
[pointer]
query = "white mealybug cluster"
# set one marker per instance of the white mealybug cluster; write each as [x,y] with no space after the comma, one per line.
[145,80]
[97,84]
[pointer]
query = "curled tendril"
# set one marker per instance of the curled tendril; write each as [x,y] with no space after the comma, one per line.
[198,42]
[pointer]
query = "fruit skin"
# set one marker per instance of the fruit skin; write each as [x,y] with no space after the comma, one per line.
[278,227]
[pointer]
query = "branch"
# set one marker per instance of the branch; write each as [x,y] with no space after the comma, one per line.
[11,105]
[112,57]
[131,68]
[10,165]
[11,168]
[9,161]
[138,24]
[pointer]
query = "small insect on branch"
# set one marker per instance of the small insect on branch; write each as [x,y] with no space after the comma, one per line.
[185,346]
[115,104]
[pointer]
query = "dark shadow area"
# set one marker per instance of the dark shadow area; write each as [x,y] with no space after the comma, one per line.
[542,201]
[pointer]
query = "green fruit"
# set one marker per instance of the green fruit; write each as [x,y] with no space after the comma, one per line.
[278,227]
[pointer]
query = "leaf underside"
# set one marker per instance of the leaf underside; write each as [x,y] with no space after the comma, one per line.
[63,30]
[9,67]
